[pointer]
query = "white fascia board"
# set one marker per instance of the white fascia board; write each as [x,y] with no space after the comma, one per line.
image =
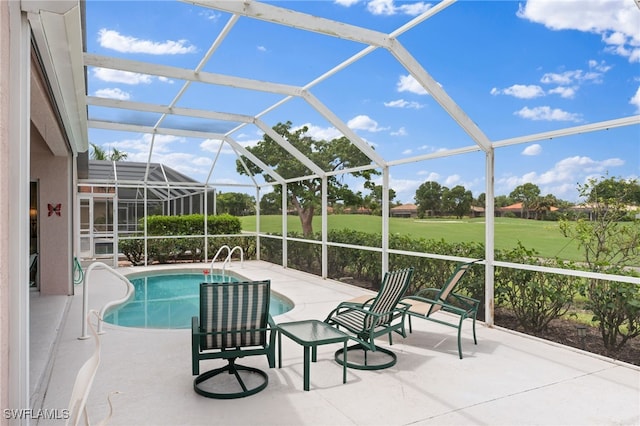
[445,101]
[59,7]
[340,125]
[290,148]
[59,40]
[162,109]
[189,75]
[587,128]
[299,20]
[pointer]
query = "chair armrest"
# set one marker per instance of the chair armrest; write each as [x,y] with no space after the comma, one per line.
[345,306]
[365,310]
[445,306]
[426,292]
[474,303]
[420,299]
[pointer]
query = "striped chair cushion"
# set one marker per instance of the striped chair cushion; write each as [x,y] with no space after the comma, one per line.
[393,287]
[234,314]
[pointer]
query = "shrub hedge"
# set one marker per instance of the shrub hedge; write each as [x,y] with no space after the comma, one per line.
[164,250]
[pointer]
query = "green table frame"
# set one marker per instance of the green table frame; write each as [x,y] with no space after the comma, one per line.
[311,334]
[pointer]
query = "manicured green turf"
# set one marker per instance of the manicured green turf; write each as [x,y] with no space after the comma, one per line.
[545,237]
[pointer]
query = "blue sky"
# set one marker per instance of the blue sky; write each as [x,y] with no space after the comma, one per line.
[515,68]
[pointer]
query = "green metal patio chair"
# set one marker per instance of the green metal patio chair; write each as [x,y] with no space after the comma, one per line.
[381,315]
[234,322]
[431,300]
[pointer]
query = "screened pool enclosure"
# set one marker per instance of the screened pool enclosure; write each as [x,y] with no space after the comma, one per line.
[115,197]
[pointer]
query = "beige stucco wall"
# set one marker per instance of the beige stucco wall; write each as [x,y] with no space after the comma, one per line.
[53,176]
[51,168]
[4,216]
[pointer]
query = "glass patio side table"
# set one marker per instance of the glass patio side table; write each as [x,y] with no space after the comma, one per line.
[311,334]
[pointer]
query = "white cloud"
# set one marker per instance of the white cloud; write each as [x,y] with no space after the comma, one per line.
[401,103]
[364,122]
[405,188]
[562,178]
[389,7]
[534,149]
[430,148]
[346,3]
[599,66]
[545,113]
[124,77]
[430,176]
[111,39]
[320,133]
[210,15]
[192,165]
[114,93]
[262,48]
[564,92]
[408,151]
[635,100]
[452,180]
[617,21]
[413,9]
[566,77]
[520,91]
[138,149]
[188,164]
[213,145]
[407,83]
[400,132]
[575,76]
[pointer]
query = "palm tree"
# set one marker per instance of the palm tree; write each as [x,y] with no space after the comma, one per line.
[117,155]
[99,153]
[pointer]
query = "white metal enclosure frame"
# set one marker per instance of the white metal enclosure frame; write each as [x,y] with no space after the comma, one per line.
[373,40]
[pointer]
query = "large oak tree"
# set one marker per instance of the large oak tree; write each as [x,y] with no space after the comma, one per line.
[305,195]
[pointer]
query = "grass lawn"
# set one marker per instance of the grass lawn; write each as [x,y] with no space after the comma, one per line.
[545,237]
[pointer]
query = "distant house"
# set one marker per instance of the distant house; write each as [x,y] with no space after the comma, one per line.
[404,210]
[477,211]
[360,210]
[518,210]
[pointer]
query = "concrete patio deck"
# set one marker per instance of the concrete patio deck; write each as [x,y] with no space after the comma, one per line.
[507,379]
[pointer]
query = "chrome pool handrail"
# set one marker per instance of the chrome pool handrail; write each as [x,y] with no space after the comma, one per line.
[228,259]
[216,256]
[85,296]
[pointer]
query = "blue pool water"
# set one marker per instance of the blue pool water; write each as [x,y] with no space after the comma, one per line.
[170,300]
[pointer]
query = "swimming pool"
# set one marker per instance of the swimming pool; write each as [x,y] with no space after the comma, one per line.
[169,300]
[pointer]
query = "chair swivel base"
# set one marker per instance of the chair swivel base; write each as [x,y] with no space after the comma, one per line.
[234,369]
[366,365]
